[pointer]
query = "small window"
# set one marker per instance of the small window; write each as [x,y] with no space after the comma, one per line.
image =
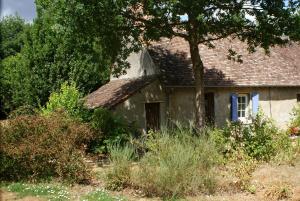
[298,97]
[242,107]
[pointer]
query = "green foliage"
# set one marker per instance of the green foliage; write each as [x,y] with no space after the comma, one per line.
[23,110]
[113,130]
[109,128]
[177,163]
[101,195]
[12,30]
[49,191]
[68,99]
[57,53]
[12,82]
[260,139]
[296,117]
[36,147]
[121,158]
[16,88]
[47,53]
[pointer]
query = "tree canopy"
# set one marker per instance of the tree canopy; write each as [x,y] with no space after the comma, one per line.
[52,50]
[12,28]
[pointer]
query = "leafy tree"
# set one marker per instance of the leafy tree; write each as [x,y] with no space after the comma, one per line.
[58,53]
[67,99]
[11,41]
[98,23]
[12,28]
[54,51]
[15,83]
[260,23]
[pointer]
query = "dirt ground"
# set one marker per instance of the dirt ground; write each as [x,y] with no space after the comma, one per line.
[271,182]
[8,196]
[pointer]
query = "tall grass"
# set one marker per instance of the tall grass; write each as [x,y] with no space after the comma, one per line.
[177,163]
[121,159]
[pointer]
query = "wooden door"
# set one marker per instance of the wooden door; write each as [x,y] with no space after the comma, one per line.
[209,108]
[152,116]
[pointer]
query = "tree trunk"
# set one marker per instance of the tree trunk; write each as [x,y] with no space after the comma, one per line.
[198,70]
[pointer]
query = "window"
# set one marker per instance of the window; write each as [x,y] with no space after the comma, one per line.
[298,97]
[242,107]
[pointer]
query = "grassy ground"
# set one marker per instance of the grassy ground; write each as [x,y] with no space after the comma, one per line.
[55,192]
[269,182]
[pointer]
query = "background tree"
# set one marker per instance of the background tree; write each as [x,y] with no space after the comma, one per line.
[262,23]
[62,44]
[12,30]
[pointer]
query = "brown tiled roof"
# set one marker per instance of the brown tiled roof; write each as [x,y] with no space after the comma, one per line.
[116,91]
[281,68]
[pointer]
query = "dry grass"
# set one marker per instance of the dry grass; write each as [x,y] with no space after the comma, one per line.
[272,182]
[278,182]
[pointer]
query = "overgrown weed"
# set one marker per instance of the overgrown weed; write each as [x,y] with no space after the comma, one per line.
[178,162]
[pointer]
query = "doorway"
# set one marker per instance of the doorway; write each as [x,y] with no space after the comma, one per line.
[209,108]
[152,116]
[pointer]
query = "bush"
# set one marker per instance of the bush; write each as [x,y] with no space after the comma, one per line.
[295,123]
[243,166]
[22,110]
[261,139]
[37,147]
[68,99]
[121,158]
[177,163]
[111,128]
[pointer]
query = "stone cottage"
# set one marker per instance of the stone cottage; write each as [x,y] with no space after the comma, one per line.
[159,86]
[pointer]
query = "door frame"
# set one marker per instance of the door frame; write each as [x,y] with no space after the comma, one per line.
[160,110]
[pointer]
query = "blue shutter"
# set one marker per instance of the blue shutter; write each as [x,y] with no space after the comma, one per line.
[234,107]
[255,103]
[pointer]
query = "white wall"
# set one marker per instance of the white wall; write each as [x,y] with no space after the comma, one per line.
[141,64]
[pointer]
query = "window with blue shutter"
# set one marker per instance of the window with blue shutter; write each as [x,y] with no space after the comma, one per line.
[234,107]
[255,103]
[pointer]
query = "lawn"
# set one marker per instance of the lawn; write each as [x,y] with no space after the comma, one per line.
[54,192]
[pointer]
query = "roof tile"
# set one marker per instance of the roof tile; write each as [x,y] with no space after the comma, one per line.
[116,91]
[280,68]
